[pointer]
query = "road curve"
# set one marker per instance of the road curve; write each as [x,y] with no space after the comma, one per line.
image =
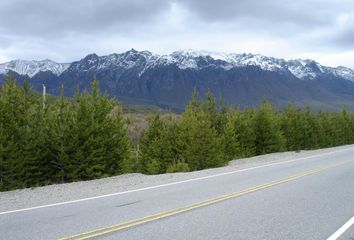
[310,198]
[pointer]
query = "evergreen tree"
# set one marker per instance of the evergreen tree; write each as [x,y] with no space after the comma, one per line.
[34,148]
[63,135]
[313,131]
[86,138]
[12,120]
[217,113]
[245,126]
[269,137]
[231,138]
[103,144]
[159,149]
[294,127]
[152,146]
[325,133]
[173,159]
[201,146]
[2,149]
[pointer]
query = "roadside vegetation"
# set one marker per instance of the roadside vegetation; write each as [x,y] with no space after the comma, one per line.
[89,136]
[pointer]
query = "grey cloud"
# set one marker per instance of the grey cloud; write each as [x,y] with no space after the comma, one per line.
[31,17]
[68,29]
[347,39]
[269,13]
[311,23]
[61,18]
[343,38]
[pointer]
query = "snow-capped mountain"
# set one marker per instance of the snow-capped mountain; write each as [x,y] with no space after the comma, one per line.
[197,60]
[302,69]
[31,68]
[142,77]
[184,59]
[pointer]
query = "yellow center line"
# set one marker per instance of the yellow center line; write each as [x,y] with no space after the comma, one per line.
[164,214]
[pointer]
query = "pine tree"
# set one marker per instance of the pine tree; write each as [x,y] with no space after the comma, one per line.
[86,138]
[159,149]
[63,135]
[12,121]
[245,127]
[35,152]
[312,131]
[201,146]
[2,148]
[350,124]
[103,144]
[231,138]
[325,130]
[173,160]
[294,127]
[269,137]
[215,109]
[151,146]
[34,149]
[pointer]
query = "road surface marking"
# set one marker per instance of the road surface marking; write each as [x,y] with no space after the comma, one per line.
[173,183]
[164,214]
[340,231]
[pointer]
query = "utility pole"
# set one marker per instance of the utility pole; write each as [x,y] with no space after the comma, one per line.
[44,93]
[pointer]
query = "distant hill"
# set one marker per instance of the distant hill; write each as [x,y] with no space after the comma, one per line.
[141,77]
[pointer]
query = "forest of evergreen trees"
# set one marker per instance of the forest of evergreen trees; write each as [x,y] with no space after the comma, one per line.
[86,137]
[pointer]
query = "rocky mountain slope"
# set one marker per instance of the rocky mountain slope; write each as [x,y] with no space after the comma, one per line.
[31,68]
[141,77]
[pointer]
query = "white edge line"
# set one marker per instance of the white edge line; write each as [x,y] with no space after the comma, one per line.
[341,230]
[170,184]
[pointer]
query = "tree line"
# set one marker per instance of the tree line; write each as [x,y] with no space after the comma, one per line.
[86,137]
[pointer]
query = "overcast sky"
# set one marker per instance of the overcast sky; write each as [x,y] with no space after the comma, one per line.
[65,31]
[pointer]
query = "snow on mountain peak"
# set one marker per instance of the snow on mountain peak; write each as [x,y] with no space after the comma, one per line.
[302,69]
[183,59]
[31,68]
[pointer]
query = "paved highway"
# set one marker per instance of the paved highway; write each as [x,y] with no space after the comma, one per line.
[311,198]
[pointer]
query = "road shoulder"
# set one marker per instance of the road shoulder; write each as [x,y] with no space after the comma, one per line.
[53,194]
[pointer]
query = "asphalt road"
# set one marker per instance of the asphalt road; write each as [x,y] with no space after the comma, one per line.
[305,199]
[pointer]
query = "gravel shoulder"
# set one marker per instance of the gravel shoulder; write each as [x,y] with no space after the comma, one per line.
[32,197]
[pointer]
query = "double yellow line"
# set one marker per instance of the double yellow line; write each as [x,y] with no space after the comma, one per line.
[164,214]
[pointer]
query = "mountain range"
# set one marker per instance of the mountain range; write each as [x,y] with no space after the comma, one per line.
[141,77]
